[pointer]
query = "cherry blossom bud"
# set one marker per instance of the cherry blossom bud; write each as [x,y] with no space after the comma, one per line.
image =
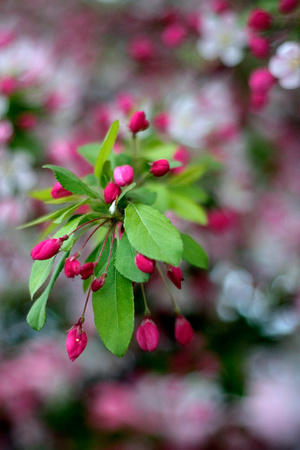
[261,80]
[8,85]
[258,46]
[173,35]
[147,335]
[259,20]
[175,275]
[98,283]
[76,341]
[111,192]
[142,49]
[48,248]
[184,332]
[161,121]
[123,175]
[144,264]
[138,122]
[287,6]
[58,191]
[87,270]
[72,267]
[160,167]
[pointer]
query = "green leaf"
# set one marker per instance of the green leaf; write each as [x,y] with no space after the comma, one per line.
[186,208]
[90,152]
[188,176]
[124,192]
[106,174]
[114,312]
[39,273]
[143,195]
[161,151]
[50,216]
[70,181]
[72,208]
[106,148]
[152,234]
[125,262]
[41,194]
[36,317]
[193,253]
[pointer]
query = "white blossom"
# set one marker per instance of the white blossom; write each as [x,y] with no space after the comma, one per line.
[285,65]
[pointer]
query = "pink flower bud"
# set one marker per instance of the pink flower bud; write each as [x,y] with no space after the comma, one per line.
[76,341]
[8,85]
[142,49]
[6,131]
[144,264]
[175,275]
[258,100]
[87,270]
[259,20]
[27,121]
[123,175]
[184,332]
[161,122]
[46,249]
[261,80]
[173,35]
[138,122]
[258,46]
[287,6]
[160,167]
[147,335]
[72,267]
[58,191]
[111,192]
[98,283]
[220,6]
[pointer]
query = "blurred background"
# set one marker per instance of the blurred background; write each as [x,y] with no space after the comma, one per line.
[214,82]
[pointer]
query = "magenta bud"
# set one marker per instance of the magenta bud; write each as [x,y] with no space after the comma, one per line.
[138,122]
[123,175]
[76,341]
[175,275]
[259,46]
[259,20]
[98,283]
[184,332]
[46,249]
[147,335]
[87,270]
[111,192]
[145,264]
[72,267]
[160,167]
[58,191]
[287,6]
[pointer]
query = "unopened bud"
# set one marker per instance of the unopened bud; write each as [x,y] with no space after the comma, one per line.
[123,175]
[144,264]
[87,270]
[184,332]
[138,122]
[287,6]
[259,46]
[72,267]
[46,249]
[111,192]
[98,283]
[76,341]
[175,275]
[147,335]
[160,167]
[58,191]
[259,20]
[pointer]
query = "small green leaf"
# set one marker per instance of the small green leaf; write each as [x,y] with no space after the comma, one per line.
[114,312]
[175,164]
[71,208]
[50,216]
[39,273]
[106,174]
[143,195]
[124,192]
[161,151]
[106,148]
[41,194]
[36,317]
[193,253]
[188,176]
[70,181]
[186,208]
[125,262]
[90,152]
[152,234]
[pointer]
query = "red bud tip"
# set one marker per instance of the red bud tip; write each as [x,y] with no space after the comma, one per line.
[138,122]
[160,167]
[72,267]
[111,192]
[46,249]
[98,283]
[76,341]
[123,175]
[175,275]
[144,264]
[87,270]
[184,332]
[58,191]
[147,335]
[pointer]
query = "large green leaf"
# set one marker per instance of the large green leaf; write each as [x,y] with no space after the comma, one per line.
[90,152]
[152,234]
[114,312]
[193,253]
[184,207]
[36,317]
[39,273]
[50,216]
[106,148]
[125,262]
[70,181]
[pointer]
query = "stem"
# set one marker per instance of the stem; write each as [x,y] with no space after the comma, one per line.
[147,310]
[104,243]
[94,231]
[85,305]
[175,305]
[86,223]
[110,251]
